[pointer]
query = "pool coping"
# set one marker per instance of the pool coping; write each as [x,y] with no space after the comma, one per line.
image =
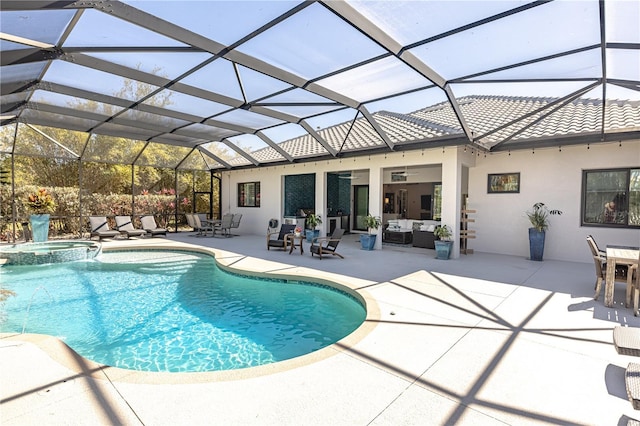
[235,263]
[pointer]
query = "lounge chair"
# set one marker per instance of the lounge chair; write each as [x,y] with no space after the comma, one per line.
[149,225]
[280,242]
[125,227]
[225,225]
[100,228]
[327,245]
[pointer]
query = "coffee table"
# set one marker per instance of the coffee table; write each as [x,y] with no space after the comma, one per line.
[399,237]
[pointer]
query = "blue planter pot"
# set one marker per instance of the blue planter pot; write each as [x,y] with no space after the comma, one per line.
[311,234]
[443,249]
[39,227]
[536,244]
[367,241]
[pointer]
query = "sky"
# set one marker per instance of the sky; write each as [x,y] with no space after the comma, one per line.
[313,42]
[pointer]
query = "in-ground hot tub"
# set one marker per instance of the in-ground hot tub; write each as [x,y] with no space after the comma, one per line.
[49,252]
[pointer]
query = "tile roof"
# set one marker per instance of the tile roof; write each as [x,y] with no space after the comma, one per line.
[516,118]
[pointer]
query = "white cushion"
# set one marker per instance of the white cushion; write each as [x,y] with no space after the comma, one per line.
[431,228]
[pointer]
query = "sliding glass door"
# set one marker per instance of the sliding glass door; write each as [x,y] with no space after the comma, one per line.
[360,206]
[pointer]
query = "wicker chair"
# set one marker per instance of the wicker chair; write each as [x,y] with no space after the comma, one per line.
[623,274]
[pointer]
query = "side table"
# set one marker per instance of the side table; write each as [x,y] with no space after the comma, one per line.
[291,242]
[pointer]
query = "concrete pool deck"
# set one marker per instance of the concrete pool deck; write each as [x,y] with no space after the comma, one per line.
[483,339]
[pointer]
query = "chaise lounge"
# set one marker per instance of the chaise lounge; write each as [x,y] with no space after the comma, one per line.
[125,227]
[100,228]
[149,225]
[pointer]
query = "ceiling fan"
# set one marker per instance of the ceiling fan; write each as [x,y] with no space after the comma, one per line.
[346,176]
[405,173]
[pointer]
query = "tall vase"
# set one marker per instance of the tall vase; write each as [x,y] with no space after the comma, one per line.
[536,244]
[39,227]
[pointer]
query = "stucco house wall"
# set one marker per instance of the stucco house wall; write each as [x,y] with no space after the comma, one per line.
[552,176]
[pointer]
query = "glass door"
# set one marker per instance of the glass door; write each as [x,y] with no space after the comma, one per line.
[360,206]
[437,201]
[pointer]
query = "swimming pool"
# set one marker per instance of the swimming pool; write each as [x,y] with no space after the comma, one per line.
[174,311]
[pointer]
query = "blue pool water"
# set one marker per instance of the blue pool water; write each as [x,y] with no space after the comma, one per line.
[174,311]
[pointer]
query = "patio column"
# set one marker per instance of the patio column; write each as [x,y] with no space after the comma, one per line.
[452,194]
[375,199]
[321,201]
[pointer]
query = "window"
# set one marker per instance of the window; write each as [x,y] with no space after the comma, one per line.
[611,197]
[249,194]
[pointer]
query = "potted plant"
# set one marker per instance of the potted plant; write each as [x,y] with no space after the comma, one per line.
[539,218]
[313,220]
[40,204]
[443,243]
[368,240]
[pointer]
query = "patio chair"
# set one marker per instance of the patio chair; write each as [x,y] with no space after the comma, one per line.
[280,242]
[191,221]
[327,245]
[100,228]
[202,227]
[224,226]
[235,222]
[149,225]
[125,226]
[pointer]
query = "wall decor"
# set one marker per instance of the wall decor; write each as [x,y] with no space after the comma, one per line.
[503,183]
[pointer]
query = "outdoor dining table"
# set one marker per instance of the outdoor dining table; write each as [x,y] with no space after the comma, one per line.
[617,255]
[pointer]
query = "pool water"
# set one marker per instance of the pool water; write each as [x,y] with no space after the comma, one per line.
[174,311]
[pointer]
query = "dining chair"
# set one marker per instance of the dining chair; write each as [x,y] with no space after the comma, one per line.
[623,275]
[595,250]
